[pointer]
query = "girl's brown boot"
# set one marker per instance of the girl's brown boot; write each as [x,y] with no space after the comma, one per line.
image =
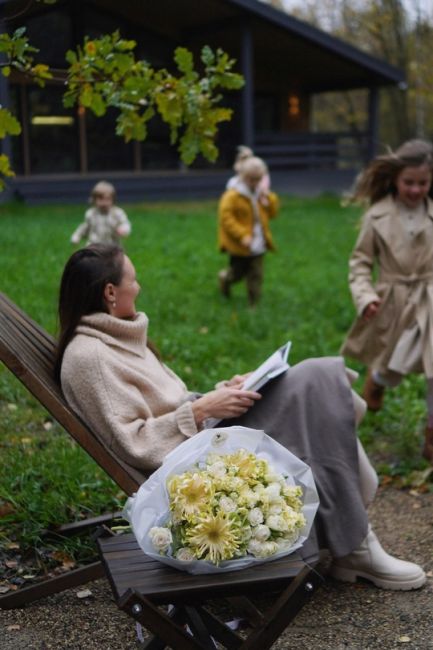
[427,452]
[373,393]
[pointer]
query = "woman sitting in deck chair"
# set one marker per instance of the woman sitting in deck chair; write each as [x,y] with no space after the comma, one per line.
[111,375]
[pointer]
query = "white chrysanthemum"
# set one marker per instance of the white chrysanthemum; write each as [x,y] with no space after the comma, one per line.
[293,519]
[227,505]
[277,522]
[255,517]
[161,538]
[247,497]
[261,532]
[184,554]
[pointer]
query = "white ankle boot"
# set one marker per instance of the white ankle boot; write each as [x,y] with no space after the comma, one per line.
[370,561]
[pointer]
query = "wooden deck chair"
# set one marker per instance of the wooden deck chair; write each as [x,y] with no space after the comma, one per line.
[143,587]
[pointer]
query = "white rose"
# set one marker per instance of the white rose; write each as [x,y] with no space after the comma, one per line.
[255,517]
[273,491]
[276,522]
[262,549]
[161,538]
[217,470]
[261,532]
[275,509]
[254,547]
[185,555]
[227,504]
[272,476]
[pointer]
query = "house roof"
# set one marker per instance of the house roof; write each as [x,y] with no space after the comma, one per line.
[286,51]
[377,71]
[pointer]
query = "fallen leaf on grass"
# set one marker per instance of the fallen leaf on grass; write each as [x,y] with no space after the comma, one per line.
[11,564]
[7,586]
[12,407]
[6,509]
[47,425]
[12,628]
[85,593]
[67,563]
[404,639]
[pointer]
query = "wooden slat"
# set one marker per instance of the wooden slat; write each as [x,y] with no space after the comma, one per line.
[52,586]
[129,568]
[28,351]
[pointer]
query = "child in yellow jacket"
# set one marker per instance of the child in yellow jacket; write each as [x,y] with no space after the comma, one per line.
[244,231]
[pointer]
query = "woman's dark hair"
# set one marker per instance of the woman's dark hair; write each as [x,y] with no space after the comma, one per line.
[84,278]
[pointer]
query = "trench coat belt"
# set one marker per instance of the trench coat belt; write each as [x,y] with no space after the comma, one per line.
[395,278]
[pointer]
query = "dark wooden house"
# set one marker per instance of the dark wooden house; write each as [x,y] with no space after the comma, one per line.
[61,152]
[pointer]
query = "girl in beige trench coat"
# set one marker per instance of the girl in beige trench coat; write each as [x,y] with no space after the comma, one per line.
[393,332]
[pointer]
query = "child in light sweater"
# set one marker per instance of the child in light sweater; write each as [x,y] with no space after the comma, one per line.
[104,222]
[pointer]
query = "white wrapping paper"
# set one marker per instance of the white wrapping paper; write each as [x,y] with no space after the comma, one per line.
[150,505]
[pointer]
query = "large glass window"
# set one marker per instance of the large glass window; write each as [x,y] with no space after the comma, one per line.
[53,132]
[106,150]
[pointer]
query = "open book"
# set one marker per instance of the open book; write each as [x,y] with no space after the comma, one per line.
[272,367]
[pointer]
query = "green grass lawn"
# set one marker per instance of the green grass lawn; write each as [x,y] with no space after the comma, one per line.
[45,478]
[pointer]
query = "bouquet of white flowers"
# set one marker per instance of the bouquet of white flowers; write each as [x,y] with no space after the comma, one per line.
[224,499]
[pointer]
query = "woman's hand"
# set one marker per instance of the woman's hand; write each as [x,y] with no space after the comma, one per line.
[246,241]
[371,310]
[222,403]
[237,381]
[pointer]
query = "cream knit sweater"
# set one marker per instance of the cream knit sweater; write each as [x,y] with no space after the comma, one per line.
[116,384]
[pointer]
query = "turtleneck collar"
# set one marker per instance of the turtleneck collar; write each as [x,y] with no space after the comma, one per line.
[129,335]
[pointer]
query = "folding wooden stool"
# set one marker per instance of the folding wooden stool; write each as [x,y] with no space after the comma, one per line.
[142,587]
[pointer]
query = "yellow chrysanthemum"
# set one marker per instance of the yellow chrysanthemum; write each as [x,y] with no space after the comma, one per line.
[247,465]
[189,493]
[214,538]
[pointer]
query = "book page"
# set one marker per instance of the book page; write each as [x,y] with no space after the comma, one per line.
[272,367]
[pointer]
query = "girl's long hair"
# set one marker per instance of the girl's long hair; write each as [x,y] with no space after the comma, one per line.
[379,177]
[84,278]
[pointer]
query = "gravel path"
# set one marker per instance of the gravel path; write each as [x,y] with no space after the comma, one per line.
[339,616]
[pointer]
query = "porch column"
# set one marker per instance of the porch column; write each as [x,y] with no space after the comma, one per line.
[247,68]
[373,123]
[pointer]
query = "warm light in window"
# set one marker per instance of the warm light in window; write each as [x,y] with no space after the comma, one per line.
[50,120]
[293,105]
